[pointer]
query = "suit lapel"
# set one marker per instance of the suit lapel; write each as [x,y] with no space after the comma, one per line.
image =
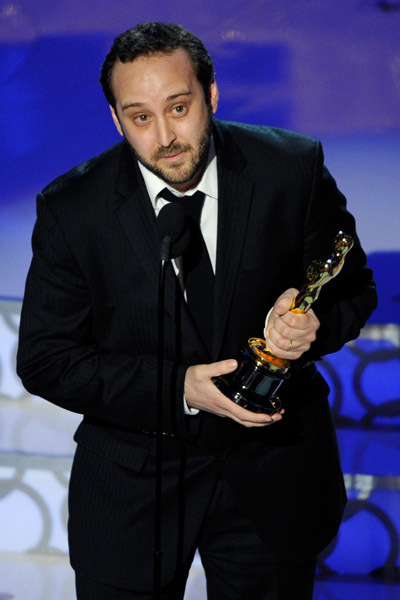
[136,216]
[235,191]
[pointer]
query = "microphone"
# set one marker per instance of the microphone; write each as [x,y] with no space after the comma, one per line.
[173,231]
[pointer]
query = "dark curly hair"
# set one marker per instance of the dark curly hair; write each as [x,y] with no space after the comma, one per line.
[157,38]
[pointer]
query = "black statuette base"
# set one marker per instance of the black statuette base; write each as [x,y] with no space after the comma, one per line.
[251,386]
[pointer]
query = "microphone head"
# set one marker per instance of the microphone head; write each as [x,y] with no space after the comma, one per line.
[172,223]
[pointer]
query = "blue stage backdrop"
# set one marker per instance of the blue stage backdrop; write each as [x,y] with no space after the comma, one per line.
[327,69]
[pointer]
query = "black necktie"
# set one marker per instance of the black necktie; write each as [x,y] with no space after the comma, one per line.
[198,275]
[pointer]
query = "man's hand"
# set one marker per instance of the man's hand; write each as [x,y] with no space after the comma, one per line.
[201,393]
[289,334]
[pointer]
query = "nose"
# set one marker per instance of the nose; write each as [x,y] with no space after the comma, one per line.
[165,133]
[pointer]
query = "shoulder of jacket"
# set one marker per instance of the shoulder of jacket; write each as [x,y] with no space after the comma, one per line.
[261,137]
[94,169]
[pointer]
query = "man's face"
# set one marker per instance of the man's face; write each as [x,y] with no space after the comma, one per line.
[162,113]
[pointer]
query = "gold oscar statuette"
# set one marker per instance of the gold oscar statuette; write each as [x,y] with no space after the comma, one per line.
[259,374]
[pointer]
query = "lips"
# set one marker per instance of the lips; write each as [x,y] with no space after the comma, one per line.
[173,158]
[171,153]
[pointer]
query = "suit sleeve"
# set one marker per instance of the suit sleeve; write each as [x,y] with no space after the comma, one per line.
[347,301]
[58,358]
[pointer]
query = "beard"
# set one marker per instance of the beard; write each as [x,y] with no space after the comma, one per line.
[176,174]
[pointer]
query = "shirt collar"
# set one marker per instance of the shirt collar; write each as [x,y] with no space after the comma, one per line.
[208,183]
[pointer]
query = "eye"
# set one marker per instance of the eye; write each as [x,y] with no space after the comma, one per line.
[141,119]
[180,109]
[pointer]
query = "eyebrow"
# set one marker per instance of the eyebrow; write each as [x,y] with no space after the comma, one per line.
[168,99]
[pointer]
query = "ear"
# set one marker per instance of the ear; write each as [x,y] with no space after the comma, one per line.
[116,121]
[214,96]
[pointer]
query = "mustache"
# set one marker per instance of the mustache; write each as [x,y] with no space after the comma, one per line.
[174,149]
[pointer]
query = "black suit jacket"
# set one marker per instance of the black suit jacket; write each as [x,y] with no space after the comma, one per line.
[88,343]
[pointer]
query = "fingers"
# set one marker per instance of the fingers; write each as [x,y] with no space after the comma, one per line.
[247,418]
[290,349]
[290,334]
[280,308]
[202,394]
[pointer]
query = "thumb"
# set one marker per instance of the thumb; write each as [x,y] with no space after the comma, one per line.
[222,367]
[284,302]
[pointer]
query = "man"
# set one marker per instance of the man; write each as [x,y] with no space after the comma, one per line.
[258,495]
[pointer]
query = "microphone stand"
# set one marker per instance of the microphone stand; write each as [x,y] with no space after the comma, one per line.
[175,237]
[164,259]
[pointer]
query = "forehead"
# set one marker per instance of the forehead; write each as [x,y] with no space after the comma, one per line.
[153,77]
